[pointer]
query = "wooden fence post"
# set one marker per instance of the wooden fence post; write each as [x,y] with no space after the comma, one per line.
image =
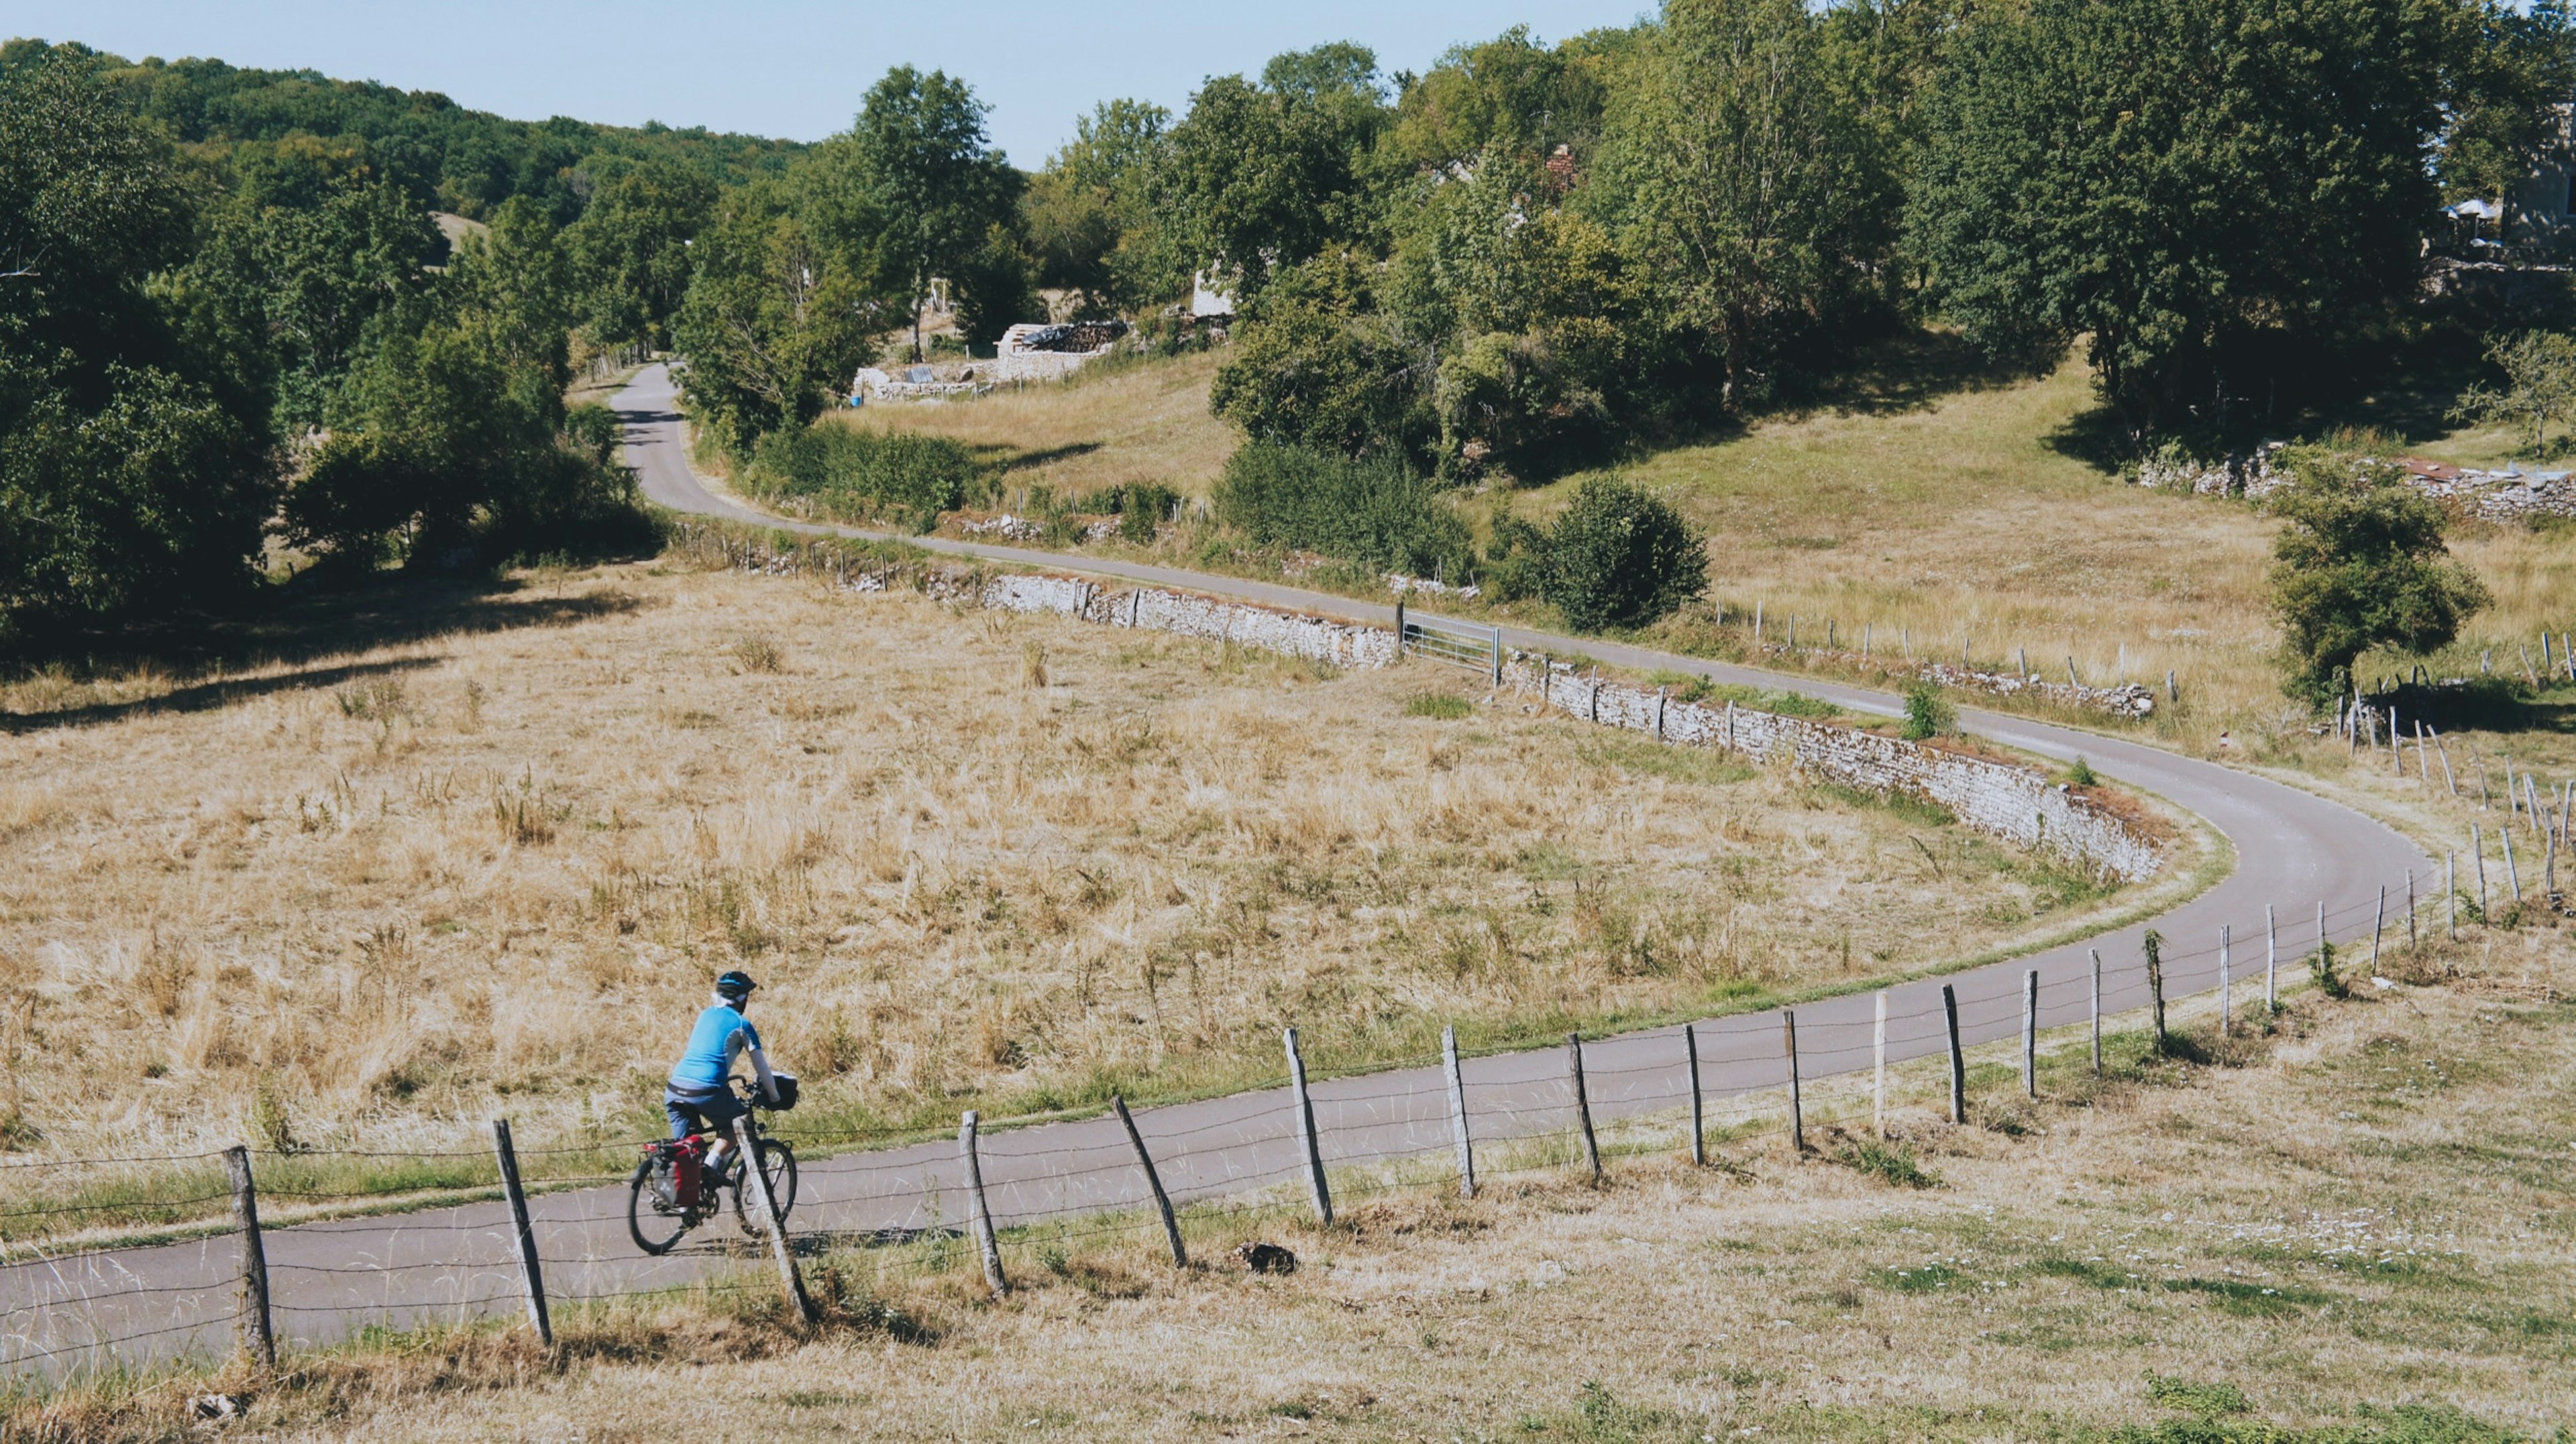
[1399,626]
[1797,1104]
[1498,658]
[2451,890]
[1583,1103]
[2478,850]
[532,1276]
[2226,974]
[1154,1181]
[2097,1010]
[1698,1124]
[1458,1113]
[2030,1033]
[259,1339]
[2411,939]
[2378,926]
[979,1212]
[2512,873]
[1958,1057]
[791,1281]
[2448,777]
[2153,943]
[1878,1068]
[1315,1184]
[2271,961]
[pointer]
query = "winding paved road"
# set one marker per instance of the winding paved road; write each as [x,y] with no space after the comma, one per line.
[2294,851]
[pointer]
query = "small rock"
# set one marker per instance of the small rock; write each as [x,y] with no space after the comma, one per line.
[216,1408]
[1266,1258]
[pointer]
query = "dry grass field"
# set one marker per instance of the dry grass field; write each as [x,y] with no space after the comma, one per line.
[1143,421]
[973,858]
[2349,1227]
[1936,514]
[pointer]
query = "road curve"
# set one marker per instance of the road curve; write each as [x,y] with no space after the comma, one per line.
[2295,852]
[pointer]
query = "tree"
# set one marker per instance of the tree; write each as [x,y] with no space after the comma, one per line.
[2185,182]
[776,322]
[1261,177]
[1508,93]
[630,251]
[2540,376]
[2361,564]
[913,191]
[1738,178]
[1620,556]
[127,475]
[1090,215]
[1314,367]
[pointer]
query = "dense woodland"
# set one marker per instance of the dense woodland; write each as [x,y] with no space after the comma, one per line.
[228,321]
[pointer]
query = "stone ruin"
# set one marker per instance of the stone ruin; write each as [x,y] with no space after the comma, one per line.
[2511,494]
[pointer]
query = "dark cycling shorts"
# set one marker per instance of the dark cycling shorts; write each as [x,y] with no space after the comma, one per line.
[701,1110]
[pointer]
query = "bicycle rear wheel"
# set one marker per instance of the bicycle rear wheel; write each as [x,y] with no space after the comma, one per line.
[653,1230]
[778,1165]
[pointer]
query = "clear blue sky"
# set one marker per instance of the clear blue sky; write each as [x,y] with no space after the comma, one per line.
[793,69]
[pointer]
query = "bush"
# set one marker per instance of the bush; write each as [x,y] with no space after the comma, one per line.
[2362,564]
[1927,713]
[1141,506]
[1620,557]
[1376,513]
[864,475]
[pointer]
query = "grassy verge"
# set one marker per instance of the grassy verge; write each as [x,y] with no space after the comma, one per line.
[2338,1224]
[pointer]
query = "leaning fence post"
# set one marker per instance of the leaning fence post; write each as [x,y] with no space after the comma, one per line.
[2410,910]
[1583,1103]
[1315,1184]
[1958,1058]
[979,1212]
[1498,658]
[1797,1109]
[1458,1113]
[2378,925]
[2512,874]
[531,1277]
[2030,1033]
[755,1178]
[1878,1069]
[2478,851]
[1399,626]
[257,1336]
[1698,1124]
[2097,1010]
[1154,1181]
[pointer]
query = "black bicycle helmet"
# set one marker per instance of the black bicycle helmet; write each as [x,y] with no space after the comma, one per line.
[735,986]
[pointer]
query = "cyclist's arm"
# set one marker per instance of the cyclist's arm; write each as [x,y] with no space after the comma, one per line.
[747,1041]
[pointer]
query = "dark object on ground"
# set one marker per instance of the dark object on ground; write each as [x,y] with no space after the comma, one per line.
[1266,1258]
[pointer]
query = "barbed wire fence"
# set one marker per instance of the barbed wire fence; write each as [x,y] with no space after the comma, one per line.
[1015,1199]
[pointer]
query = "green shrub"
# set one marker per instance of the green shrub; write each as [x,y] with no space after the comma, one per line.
[1141,506]
[1376,513]
[1927,713]
[863,475]
[2082,774]
[1619,557]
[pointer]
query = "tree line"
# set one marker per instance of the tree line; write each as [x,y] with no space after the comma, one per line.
[1520,262]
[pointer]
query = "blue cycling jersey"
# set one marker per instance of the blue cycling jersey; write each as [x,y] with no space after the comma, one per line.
[718,1038]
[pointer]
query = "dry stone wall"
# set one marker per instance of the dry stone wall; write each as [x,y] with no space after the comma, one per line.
[2002,799]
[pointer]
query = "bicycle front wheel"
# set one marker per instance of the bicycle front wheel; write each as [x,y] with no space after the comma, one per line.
[653,1230]
[778,1165]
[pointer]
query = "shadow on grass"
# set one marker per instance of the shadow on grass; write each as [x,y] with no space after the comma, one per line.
[306,622]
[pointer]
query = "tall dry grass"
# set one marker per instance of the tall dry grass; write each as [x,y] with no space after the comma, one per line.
[969,855]
[2341,1228]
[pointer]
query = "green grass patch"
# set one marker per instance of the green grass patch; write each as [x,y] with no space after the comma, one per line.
[1439,706]
[1703,766]
[1921,1279]
[1892,1163]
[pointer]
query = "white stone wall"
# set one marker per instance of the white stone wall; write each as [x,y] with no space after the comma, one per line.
[2001,799]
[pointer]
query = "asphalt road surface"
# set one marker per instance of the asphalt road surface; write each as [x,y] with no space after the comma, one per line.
[2294,852]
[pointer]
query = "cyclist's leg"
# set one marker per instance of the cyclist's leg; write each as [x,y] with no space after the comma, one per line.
[719,1112]
[684,1119]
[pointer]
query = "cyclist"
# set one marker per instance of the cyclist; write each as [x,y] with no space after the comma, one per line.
[699,1098]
